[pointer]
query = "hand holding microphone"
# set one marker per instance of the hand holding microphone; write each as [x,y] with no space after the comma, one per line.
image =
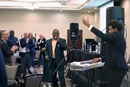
[56,37]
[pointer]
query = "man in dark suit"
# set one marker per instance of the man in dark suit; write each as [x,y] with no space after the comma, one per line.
[54,54]
[32,47]
[115,61]
[41,43]
[7,53]
[26,60]
[3,75]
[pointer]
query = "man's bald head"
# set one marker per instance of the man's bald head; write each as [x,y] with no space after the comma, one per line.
[55,31]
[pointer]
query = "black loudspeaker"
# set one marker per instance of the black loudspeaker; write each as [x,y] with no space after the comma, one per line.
[115,13]
[74,31]
[118,2]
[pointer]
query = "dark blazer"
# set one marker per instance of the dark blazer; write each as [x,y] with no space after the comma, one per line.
[6,51]
[12,41]
[23,42]
[116,49]
[42,44]
[59,50]
[30,44]
[3,75]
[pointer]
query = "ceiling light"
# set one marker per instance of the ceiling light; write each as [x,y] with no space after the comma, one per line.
[31,6]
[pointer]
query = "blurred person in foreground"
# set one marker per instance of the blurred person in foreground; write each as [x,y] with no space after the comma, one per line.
[3,74]
[54,54]
[115,61]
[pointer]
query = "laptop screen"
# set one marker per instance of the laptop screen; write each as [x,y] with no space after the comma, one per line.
[32,70]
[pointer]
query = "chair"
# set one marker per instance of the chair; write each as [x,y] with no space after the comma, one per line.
[11,74]
[12,70]
[33,80]
[37,56]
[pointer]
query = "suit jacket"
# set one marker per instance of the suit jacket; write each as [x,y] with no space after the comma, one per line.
[31,46]
[28,44]
[59,51]
[116,49]
[12,41]
[6,51]
[3,75]
[42,43]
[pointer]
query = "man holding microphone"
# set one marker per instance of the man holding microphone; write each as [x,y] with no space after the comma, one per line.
[54,54]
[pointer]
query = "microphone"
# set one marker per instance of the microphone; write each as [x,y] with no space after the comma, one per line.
[78,36]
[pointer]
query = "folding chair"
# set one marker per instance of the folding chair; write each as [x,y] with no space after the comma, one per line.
[33,80]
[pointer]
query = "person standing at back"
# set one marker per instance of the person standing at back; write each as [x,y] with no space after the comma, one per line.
[7,53]
[32,47]
[41,43]
[115,61]
[26,60]
[55,48]
[12,40]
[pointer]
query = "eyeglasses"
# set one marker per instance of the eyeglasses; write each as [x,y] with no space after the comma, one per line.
[110,29]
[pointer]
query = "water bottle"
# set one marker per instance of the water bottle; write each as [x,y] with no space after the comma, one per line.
[99,48]
[84,46]
[90,48]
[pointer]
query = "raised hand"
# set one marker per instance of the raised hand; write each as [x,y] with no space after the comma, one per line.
[85,21]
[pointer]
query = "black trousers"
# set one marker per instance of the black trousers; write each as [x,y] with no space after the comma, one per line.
[115,77]
[26,62]
[60,73]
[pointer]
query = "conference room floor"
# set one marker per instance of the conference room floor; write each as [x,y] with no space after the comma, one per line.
[45,84]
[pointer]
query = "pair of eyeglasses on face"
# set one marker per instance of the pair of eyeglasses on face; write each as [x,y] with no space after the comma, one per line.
[110,29]
[55,33]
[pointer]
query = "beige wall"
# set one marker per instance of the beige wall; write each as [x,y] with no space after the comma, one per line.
[126,6]
[43,22]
